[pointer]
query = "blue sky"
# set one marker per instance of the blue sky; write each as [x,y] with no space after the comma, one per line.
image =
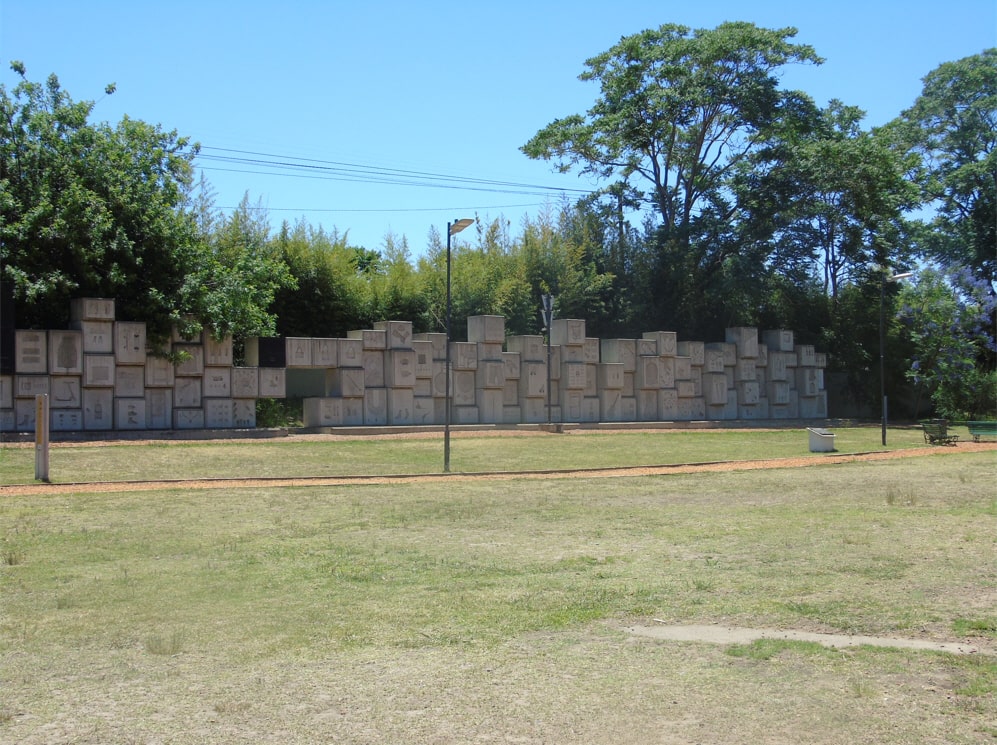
[432,89]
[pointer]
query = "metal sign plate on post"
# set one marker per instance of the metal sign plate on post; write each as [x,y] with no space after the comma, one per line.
[41,437]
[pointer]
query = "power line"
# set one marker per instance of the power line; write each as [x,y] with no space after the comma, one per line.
[294,167]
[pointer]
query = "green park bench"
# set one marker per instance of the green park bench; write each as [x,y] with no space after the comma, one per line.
[982,429]
[936,433]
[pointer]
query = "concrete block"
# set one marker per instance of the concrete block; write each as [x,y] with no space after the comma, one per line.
[245,382]
[373,368]
[697,407]
[98,408]
[683,368]
[188,418]
[29,386]
[611,376]
[763,356]
[129,342]
[534,411]
[464,355]
[158,408]
[244,413]
[628,407]
[489,351]
[217,382]
[533,380]
[465,415]
[744,370]
[158,372]
[571,405]
[806,356]
[591,408]
[647,348]
[490,375]
[745,339]
[66,420]
[217,352]
[489,329]
[6,391]
[401,405]
[697,380]
[345,382]
[685,389]
[318,411]
[807,382]
[530,348]
[668,404]
[423,358]
[684,410]
[622,351]
[567,331]
[65,352]
[512,415]
[439,342]
[666,342]
[423,387]
[748,393]
[779,340]
[439,381]
[187,393]
[129,381]
[572,353]
[511,363]
[715,389]
[399,371]
[24,415]
[273,382]
[370,338]
[713,358]
[591,380]
[299,351]
[777,392]
[91,309]
[694,350]
[30,352]
[648,374]
[129,413]
[573,376]
[353,412]
[424,410]
[98,370]
[510,393]
[591,351]
[193,360]
[350,353]
[731,409]
[463,388]
[778,370]
[325,352]
[375,406]
[490,406]
[397,334]
[647,405]
[97,336]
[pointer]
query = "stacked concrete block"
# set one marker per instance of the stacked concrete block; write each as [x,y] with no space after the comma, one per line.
[99,375]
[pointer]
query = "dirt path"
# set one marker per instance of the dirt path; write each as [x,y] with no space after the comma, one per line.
[654,470]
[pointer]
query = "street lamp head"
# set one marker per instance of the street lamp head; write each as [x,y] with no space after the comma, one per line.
[458,225]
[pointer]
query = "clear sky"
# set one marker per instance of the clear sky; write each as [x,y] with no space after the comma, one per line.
[406,115]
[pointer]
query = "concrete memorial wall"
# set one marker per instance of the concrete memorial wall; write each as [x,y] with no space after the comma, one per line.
[100,375]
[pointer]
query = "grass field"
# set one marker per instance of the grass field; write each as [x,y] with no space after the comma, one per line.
[470,452]
[496,611]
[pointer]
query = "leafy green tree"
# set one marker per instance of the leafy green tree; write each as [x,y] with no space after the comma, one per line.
[679,111]
[947,314]
[231,282]
[90,209]
[952,127]
[330,296]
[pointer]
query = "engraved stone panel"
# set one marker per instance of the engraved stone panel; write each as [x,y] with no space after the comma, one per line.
[397,334]
[217,353]
[187,393]
[622,351]
[193,359]
[401,406]
[129,413]
[567,331]
[490,329]
[158,408]
[65,352]
[325,352]
[98,408]
[273,382]
[30,352]
[299,351]
[530,348]
[129,342]
[217,382]
[245,382]
[98,371]
[129,381]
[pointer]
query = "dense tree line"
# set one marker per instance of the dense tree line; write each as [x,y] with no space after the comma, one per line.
[755,207]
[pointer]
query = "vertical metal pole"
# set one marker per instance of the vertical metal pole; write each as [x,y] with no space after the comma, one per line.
[41,437]
[446,425]
[882,352]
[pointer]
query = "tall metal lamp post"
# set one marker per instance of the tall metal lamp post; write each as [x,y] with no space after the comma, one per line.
[452,229]
[882,339]
[548,317]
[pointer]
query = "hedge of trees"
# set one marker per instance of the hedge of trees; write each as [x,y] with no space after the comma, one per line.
[765,210]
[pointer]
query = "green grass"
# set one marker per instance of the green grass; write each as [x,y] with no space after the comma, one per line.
[443,611]
[470,452]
